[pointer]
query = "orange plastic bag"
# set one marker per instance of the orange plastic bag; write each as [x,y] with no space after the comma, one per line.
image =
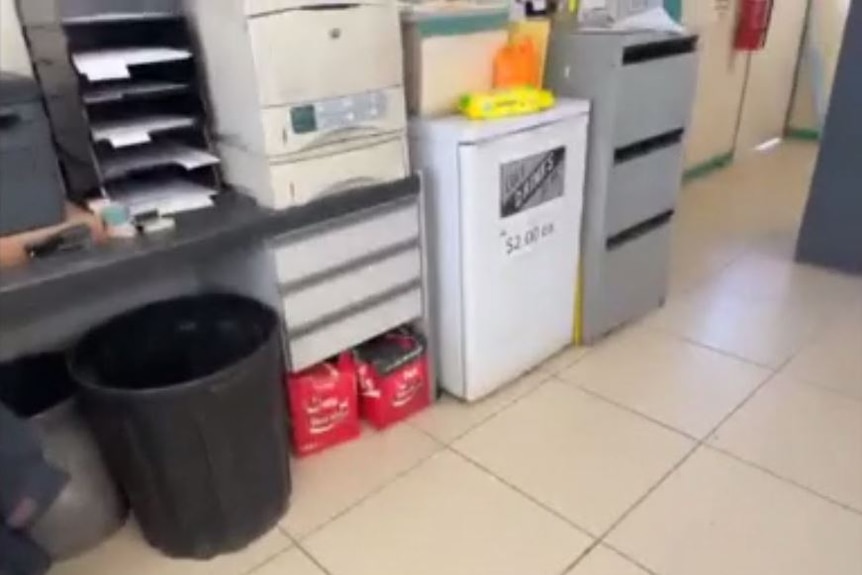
[516,65]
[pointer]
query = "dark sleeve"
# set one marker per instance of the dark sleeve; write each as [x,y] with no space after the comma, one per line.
[24,473]
[20,556]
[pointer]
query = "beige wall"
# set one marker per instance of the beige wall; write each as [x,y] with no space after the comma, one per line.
[826,29]
[13,52]
[721,78]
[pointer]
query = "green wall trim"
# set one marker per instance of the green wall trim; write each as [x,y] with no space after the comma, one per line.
[707,167]
[807,134]
[674,8]
[460,25]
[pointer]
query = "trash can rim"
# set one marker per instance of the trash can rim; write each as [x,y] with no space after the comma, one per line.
[84,378]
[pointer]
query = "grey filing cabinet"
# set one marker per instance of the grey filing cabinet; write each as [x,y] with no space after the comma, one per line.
[642,87]
[31,188]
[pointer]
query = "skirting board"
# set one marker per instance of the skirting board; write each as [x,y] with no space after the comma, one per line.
[708,167]
[806,134]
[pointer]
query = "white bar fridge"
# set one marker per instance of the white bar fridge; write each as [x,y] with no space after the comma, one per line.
[503,215]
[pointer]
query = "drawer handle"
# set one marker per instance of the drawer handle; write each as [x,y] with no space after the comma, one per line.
[332,212]
[648,146]
[329,7]
[342,314]
[638,230]
[294,286]
[657,50]
[8,120]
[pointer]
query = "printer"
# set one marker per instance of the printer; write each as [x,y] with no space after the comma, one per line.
[307,95]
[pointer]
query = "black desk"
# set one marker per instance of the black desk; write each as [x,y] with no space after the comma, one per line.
[41,286]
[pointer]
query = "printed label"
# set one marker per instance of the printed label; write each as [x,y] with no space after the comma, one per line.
[523,241]
[532,181]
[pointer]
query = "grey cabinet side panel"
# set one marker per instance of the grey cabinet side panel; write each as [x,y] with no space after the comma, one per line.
[831,232]
[584,66]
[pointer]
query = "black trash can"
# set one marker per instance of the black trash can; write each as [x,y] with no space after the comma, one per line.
[188,404]
[90,507]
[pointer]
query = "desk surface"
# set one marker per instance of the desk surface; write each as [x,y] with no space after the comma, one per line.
[234,220]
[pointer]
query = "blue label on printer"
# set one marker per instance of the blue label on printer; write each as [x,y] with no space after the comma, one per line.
[303,119]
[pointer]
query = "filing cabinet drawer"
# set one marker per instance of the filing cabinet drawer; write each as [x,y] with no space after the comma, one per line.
[337,247]
[361,41]
[23,126]
[635,275]
[301,181]
[643,186]
[31,190]
[375,113]
[656,89]
[320,342]
[363,280]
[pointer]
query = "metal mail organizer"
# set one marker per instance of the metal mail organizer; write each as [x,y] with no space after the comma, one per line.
[123,96]
[642,87]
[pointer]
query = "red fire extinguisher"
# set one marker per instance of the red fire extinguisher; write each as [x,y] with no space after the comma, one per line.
[753,27]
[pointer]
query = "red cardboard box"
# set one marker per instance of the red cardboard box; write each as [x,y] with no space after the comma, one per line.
[323,405]
[393,378]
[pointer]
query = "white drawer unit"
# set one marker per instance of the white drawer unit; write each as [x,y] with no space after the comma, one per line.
[304,304]
[353,239]
[315,344]
[350,278]
[307,94]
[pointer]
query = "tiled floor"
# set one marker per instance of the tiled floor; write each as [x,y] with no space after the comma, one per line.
[720,436]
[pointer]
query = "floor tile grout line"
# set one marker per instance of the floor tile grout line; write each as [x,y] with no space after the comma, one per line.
[690,340]
[263,563]
[710,277]
[602,538]
[772,377]
[808,382]
[546,378]
[699,444]
[442,446]
[776,475]
[631,410]
[726,353]
[312,558]
[490,416]
[440,449]
[532,499]
[503,408]
[597,544]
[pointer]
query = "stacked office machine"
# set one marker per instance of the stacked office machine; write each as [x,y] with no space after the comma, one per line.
[642,86]
[125,105]
[308,110]
[307,95]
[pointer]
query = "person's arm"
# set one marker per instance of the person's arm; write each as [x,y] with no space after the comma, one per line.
[28,484]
